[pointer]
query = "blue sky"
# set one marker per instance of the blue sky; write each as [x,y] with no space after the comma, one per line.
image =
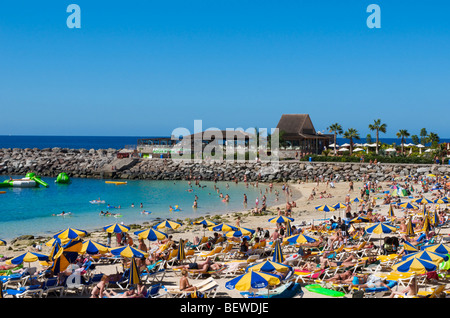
[143,68]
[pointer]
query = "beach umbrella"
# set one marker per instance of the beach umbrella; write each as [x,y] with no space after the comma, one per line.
[288,231]
[70,233]
[281,219]
[339,206]
[253,280]
[223,227]
[325,208]
[135,277]
[92,247]
[204,222]
[167,224]
[27,257]
[425,211]
[128,251]
[268,266]
[422,201]
[428,256]
[116,228]
[415,265]
[64,253]
[440,201]
[2,242]
[408,205]
[181,254]
[435,219]
[277,252]
[151,234]
[360,219]
[391,211]
[437,248]
[409,228]
[380,228]
[300,239]
[409,248]
[426,225]
[239,233]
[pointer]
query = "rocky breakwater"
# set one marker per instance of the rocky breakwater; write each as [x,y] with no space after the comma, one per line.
[157,169]
[50,162]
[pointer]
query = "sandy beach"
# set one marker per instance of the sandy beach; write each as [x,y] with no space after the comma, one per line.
[304,214]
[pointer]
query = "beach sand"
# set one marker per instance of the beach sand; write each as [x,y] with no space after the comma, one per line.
[304,212]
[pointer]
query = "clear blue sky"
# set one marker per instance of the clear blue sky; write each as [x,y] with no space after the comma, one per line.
[142,68]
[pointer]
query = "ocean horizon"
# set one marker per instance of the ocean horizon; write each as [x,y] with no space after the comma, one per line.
[118,142]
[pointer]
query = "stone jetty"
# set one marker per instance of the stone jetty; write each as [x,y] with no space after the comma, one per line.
[103,163]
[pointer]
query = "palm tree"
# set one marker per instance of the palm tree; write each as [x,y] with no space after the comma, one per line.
[378,126]
[351,134]
[403,133]
[337,129]
[433,138]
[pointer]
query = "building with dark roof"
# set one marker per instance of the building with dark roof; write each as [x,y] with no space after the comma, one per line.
[297,131]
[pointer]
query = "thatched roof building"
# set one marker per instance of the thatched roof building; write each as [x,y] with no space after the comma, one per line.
[298,133]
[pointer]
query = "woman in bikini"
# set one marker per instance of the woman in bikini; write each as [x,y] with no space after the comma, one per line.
[99,290]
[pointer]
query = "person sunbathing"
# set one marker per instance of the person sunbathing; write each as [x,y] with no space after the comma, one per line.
[410,290]
[373,282]
[99,290]
[201,267]
[345,277]
[184,282]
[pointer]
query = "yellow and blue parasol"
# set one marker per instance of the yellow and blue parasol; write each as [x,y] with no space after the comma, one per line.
[168,224]
[437,248]
[2,242]
[116,228]
[409,248]
[151,234]
[428,256]
[92,247]
[277,252]
[223,227]
[281,219]
[408,205]
[181,254]
[268,266]
[70,233]
[300,239]
[253,280]
[128,251]
[27,257]
[422,201]
[409,228]
[134,277]
[440,201]
[415,265]
[391,211]
[380,228]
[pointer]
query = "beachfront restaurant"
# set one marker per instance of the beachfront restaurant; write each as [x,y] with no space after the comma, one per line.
[300,135]
[155,147]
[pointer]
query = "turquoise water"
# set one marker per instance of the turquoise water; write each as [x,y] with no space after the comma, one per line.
[33,210]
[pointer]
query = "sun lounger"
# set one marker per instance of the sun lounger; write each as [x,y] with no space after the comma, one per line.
[207,286]
[307,276]
[288,290]
[21,292]
[51,286]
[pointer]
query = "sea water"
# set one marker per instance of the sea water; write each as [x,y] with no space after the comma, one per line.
[35,211]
